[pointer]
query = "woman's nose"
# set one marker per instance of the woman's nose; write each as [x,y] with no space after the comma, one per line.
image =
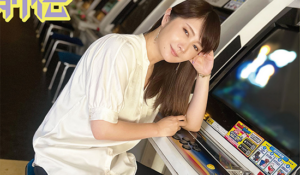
[182,47]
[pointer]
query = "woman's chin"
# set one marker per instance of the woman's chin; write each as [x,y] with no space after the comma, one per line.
[170,60]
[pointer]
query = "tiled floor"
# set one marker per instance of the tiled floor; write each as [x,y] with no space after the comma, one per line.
[25,98]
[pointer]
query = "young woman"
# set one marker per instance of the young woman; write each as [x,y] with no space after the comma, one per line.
[119,86]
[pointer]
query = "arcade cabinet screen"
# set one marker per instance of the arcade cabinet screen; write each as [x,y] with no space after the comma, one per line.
[264,88]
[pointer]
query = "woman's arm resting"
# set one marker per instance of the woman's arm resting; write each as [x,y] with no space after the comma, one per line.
[197,105]
[124,131]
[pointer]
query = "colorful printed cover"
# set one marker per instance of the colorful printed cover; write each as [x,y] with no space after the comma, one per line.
[244,139]
[272,161]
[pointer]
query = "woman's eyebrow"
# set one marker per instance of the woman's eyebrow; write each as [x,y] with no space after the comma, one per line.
[191,29]
[193,32]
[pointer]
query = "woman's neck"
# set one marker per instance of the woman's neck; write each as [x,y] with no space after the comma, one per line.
[153,53]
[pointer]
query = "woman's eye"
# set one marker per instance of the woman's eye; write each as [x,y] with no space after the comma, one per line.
[186,32]
[196,48]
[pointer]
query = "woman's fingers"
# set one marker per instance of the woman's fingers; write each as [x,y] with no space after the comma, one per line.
[182,123]
[179,128]
[194,60]
[182,120]
[210,55]
[181,117]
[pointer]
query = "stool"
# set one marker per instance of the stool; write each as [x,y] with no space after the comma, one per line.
[54,25]
[59,39]
[29,168]
[69,60]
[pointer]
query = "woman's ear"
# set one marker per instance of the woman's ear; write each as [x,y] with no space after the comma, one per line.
[166,17]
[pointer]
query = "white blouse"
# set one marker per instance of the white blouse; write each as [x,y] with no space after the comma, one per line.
[107,84]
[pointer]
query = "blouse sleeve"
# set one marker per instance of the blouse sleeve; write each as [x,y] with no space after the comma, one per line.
[111,67]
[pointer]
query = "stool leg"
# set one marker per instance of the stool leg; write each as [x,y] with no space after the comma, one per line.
[48,50]
[40,29]
[47,37]
[54,75]
[50,56]
[60,83]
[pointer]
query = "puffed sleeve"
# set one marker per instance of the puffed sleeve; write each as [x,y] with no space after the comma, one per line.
[111,67]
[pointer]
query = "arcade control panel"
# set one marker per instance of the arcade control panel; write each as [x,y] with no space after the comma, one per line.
[198,151]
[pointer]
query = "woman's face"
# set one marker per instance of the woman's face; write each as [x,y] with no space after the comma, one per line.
[179,39]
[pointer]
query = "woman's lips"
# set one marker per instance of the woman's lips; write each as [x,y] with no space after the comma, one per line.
[173,52]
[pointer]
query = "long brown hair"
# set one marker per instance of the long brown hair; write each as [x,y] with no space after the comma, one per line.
[172,87]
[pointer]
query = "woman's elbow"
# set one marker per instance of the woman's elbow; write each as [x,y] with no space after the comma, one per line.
[193,128]
[99,136]
[99,130]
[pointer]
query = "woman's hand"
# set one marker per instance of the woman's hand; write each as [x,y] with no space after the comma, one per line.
[168,126]
[203,63]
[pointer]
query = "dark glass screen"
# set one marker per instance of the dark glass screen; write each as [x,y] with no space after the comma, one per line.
[264,88]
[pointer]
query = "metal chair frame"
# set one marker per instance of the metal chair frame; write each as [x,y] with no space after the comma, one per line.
[54,48]
[49,32]
[40,29]
[50,48]
[61,78]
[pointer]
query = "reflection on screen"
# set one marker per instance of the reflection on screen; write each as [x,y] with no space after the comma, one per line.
[264,88]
